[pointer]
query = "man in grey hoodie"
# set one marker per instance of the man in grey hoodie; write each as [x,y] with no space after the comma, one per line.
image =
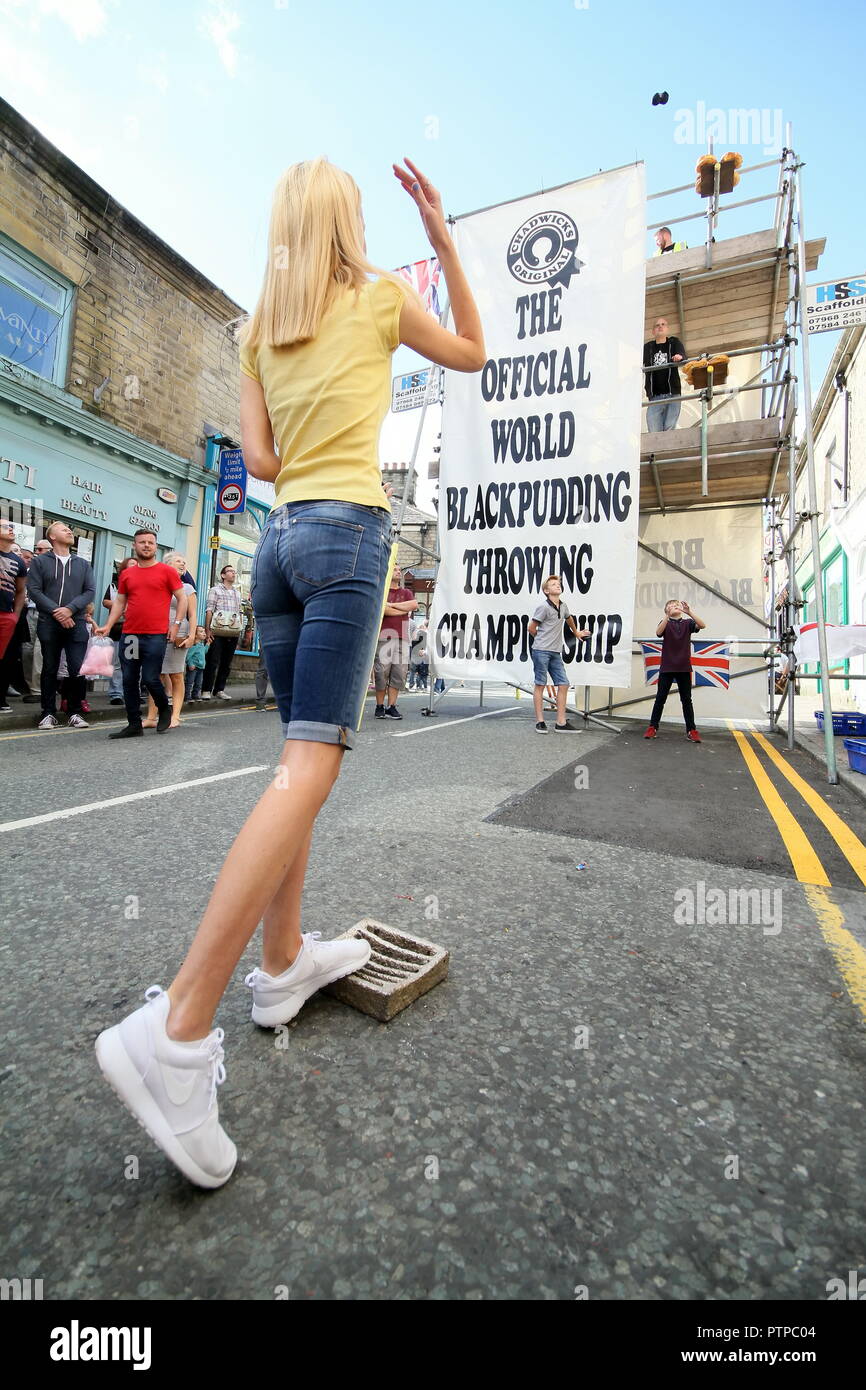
[61,585]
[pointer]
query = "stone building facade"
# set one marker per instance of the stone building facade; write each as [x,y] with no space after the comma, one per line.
[116,355]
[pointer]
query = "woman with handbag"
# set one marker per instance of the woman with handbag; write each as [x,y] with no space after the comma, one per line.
[316,379]
[224,626]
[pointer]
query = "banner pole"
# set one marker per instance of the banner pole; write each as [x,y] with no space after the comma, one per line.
[589,718]
[398,523]
[417,445]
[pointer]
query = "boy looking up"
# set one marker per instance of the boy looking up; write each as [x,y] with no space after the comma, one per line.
[547,626]
[675,629]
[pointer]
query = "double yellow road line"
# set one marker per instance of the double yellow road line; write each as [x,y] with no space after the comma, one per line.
[849,955]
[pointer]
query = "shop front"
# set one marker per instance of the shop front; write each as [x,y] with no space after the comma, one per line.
[57,463]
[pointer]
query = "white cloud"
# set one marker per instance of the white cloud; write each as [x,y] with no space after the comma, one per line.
[86,18]
[219,23]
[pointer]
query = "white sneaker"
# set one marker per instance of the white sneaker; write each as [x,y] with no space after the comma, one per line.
[277,998]
[206,696]
[221,695]
[49,722]
[170,1087]
[76,721]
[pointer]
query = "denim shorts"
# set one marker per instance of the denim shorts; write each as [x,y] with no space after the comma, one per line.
[317,589]
[544,662]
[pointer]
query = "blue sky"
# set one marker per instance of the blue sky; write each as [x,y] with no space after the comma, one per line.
[186,112]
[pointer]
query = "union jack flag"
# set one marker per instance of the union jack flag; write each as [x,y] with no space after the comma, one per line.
[423,276]
[711,663]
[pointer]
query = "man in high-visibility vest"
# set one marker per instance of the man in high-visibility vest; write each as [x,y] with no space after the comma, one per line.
[665,242]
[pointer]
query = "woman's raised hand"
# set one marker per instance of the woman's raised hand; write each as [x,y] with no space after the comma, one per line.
[428,202]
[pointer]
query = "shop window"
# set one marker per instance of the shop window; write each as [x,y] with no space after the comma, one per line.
[834,590]
[242,565]
[25,517]
[836,606]
[834,579]
[34,304]
[31,524]
[247,524]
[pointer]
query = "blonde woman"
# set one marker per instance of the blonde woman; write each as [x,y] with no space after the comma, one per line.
[173,674]
[316,369]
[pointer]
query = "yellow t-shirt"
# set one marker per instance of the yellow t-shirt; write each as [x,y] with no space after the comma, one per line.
[327,398]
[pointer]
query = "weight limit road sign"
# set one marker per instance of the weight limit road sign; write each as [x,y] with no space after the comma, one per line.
[231,496]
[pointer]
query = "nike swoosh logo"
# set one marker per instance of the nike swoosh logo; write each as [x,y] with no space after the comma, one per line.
[179,1084]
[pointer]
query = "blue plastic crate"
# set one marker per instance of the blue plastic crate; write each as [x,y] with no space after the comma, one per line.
[843,723]
[857,725]
[856,748]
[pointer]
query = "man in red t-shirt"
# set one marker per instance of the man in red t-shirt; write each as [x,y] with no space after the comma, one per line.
[392,653]
[144,595]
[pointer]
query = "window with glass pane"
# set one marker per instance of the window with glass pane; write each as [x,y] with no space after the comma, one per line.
[247,523]
[835,606]
[31,316]
[242,565]
[834,591]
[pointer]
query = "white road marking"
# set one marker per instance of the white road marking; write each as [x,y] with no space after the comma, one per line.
[133,796]
[449,723]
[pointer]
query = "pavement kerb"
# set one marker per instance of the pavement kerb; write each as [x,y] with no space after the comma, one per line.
[813,744]
[28,716]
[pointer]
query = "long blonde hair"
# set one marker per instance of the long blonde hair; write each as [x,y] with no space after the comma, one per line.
[315,250]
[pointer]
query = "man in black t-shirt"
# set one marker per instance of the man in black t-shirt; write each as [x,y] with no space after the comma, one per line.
[662,387]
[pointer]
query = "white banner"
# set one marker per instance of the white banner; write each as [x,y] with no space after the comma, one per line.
[842,642]
[540,450]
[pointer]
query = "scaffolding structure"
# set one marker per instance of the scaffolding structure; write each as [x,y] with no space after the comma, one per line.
[748,462]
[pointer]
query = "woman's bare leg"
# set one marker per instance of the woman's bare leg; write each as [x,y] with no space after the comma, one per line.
[276,832]
[282,920]
[177,694]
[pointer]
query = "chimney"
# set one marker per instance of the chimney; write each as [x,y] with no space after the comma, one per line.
[396,474]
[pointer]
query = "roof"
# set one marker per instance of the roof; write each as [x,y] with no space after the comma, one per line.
[412,516]
[105,208]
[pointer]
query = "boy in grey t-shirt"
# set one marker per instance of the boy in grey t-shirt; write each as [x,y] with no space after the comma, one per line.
[547,627]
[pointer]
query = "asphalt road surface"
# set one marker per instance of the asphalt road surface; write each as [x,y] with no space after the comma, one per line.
[618,1088]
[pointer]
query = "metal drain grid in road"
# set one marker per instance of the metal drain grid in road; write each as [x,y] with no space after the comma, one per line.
[400,969]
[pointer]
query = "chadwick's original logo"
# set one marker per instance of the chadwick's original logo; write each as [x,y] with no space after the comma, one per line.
[544,250]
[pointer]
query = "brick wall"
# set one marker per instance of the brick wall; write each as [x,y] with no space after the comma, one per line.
[141,315]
